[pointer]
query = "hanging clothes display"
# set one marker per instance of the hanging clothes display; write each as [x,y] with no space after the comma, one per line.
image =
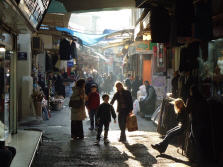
[188,57]
[203,20]
[184,17]
[73,50]
[160,25]
[65,50]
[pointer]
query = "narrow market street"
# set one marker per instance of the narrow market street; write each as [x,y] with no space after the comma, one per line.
[57,148]
[161,61]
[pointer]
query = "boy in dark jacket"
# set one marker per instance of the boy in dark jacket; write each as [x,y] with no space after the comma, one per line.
[103,117]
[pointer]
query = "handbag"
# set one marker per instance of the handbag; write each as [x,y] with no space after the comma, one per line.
[76,103]
[131,122]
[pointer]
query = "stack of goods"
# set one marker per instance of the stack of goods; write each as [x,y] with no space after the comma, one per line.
[57,103]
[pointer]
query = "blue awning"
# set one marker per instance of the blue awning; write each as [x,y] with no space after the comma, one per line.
[87,39]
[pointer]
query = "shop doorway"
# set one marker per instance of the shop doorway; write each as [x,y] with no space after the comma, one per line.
[147,69]
[4,95]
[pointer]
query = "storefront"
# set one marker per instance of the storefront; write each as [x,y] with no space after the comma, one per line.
[7,90]
[141,59]
[26,23]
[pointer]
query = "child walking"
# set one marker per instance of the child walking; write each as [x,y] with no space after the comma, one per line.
[93,104]
[103,117]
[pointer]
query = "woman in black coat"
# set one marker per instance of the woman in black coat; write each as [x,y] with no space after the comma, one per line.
[125,106]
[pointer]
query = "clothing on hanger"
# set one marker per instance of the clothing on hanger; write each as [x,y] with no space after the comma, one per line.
[65,50]
[184,17]
[73,50]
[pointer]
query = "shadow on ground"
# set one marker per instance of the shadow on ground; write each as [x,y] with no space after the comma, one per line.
[141,154]
[173,159]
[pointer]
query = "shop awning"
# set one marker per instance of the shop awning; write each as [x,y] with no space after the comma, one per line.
[92,39]
[87,39]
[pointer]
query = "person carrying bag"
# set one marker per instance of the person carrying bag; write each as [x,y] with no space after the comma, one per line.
[78,113]
[131,122]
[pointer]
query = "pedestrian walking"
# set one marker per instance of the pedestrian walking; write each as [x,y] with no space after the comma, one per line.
[59,86]
[92,105]
[77,104]
[103,117]
[90,82]
[182,117]
[125,106]
[128,82]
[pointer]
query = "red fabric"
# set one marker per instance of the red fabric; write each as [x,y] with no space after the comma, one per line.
[93,101]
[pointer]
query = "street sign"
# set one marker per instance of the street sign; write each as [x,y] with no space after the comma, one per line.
[22,56]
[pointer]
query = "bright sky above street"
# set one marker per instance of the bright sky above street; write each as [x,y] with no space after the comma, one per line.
[96,22]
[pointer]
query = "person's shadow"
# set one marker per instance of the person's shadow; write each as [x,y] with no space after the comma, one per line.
[173,159]
[85,152]
[141,154]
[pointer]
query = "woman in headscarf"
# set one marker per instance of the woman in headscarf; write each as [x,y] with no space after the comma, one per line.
[78,114]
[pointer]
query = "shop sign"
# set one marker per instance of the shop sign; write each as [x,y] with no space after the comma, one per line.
[22,56]
[70,64]
[141,47]
[34,10]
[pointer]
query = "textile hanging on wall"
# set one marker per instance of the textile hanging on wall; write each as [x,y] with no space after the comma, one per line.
[173,32]
[188,57]
[203,20]
[65,50]
[160,25]
[73,50]
[184,17]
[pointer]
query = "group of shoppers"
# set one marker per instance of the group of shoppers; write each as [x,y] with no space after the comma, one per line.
[100,114]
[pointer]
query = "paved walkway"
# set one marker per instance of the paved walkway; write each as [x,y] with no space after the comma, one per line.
[58,150]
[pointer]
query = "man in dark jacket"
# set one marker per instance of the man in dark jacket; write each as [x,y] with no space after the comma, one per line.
[59,86]
[125,106]
[147,106]
[128,83]
[135,86]
[89,83]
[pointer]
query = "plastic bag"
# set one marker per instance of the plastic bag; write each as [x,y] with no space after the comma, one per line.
[136,107]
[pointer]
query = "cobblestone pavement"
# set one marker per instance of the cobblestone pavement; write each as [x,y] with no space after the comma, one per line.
[58,150]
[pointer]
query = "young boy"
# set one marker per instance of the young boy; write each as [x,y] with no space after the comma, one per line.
[103,118]
[92,105]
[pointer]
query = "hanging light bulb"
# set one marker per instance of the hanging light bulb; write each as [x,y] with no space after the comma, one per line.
[2,48]
[146,37]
